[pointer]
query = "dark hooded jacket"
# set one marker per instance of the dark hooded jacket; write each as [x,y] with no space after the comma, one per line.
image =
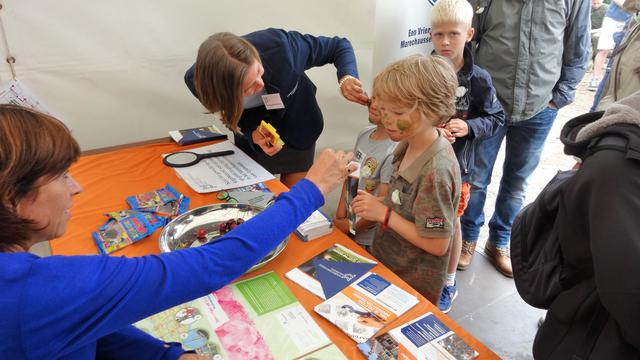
[478,105]
[599,236]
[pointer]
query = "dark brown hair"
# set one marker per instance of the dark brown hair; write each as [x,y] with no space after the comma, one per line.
[221,67]
[33,146]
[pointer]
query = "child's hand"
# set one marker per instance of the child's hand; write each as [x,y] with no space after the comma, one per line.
[457,127]
[264,143]
[368,207]
[447,135]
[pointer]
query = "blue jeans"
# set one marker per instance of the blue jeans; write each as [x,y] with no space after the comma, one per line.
[525,140]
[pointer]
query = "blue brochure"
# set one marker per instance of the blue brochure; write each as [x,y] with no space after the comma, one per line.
[196,135]
[335,276]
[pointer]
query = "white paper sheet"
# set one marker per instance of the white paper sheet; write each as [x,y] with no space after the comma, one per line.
[224,172]
[14,92]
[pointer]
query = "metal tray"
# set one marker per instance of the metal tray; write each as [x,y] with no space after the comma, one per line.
[181,233]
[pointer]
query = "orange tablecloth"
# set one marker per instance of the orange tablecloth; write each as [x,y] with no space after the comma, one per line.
[108,178]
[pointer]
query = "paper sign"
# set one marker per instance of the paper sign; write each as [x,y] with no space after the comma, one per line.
[15,93]
[273,101]
[224,172]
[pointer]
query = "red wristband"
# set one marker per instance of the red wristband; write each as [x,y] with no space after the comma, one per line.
[385,223]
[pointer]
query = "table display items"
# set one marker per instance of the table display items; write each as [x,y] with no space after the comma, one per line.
[366,306]
[257,318]
[150,211]
[207,224]
[197,135]
[217,173]
[330,271]
[317,225]
[423,338]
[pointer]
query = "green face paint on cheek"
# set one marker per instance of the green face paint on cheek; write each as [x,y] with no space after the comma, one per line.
[403,124]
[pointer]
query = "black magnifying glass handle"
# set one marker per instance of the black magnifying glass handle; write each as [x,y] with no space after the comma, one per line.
[189,158]
[215,154]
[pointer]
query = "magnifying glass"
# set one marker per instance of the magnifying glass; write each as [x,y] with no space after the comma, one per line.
[189,158]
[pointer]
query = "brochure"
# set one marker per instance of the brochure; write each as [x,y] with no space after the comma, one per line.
[336,257]
[423,338]
[350,192]
[196,135]
[258,318]
[363,308]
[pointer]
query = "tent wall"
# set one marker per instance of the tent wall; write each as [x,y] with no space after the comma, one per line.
[113,71]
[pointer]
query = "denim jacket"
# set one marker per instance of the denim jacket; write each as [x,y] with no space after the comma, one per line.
[535,51]
[479,107]
[285,56]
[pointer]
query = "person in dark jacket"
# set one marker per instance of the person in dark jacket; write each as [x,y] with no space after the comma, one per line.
[261,76]
[598,236]
[478,112]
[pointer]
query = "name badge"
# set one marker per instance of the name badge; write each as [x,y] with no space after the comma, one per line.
[273,101]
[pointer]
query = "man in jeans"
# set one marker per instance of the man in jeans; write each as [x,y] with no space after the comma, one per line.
[537,53]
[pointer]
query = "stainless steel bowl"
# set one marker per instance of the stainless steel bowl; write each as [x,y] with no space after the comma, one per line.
[182,232]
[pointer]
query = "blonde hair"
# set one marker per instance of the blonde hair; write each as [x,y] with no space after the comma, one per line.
[455,11]
[221,67]
[427,82]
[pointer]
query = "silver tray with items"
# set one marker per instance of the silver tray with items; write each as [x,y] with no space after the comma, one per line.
[209,223]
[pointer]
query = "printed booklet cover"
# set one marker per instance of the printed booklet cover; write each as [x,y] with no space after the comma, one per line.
[258,318]
[196,135]
[330,271]
[423,338]
[363,308]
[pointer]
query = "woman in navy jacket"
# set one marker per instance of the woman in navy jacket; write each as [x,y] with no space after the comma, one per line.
[232,74]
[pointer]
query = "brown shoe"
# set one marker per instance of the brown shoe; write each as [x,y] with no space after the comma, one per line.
[500,257]
[466,254]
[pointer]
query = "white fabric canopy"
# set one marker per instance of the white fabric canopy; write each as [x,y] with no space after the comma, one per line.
[113,71]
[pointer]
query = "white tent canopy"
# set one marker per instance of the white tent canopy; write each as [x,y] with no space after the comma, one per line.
[113,71]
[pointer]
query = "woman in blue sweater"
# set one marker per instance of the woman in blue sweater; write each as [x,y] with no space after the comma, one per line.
[261,76]
[82,307]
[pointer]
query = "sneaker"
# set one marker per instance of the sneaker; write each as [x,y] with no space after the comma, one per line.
[449,293]
[593,84]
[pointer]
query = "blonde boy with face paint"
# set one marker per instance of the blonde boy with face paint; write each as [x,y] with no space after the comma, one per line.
[416,218]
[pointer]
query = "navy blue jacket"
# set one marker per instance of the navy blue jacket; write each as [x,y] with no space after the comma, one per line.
[285,56]
[479,107]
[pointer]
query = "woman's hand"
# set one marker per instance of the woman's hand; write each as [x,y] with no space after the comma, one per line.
[368,207]
[330,169]
[351,89]
[264,144]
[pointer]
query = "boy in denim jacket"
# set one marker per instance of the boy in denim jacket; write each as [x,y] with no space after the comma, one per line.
[478,115]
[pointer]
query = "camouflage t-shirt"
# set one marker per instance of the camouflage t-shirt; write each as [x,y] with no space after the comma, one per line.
[427,193]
